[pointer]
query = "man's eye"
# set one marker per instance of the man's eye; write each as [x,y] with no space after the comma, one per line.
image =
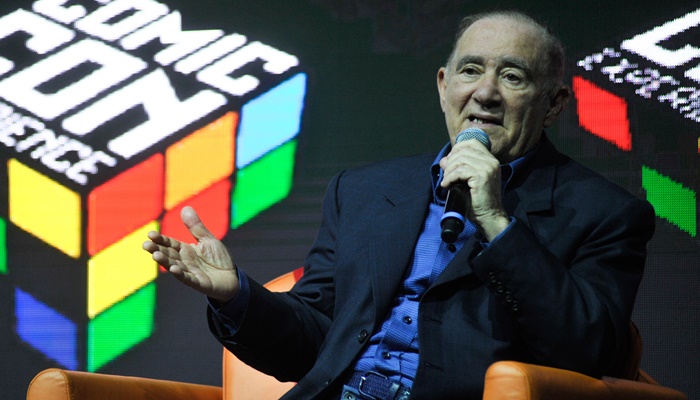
[470,71]
[512,78]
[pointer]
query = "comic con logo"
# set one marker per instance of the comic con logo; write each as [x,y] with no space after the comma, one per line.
[80,70]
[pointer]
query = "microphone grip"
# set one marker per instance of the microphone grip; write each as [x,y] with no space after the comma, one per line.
[452,222]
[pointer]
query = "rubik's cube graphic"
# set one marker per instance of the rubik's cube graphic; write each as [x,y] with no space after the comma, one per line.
[659,85]
[112,119]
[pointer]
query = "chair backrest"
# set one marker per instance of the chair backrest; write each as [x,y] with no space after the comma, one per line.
[515,380]
[630,369]
[241,382]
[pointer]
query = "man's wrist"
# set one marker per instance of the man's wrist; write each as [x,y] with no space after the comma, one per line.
[494,226]
[227,294]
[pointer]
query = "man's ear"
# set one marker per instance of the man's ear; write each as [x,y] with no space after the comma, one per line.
[557,104]
[442,86]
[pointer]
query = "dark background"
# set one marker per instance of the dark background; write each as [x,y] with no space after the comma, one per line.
[372,95]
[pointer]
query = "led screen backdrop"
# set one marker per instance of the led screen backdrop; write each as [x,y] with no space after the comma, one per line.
[116,114]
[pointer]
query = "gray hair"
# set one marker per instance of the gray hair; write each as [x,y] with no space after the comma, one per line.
[554,70]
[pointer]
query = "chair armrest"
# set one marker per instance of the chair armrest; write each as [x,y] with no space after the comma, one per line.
[58,384]
[514,380]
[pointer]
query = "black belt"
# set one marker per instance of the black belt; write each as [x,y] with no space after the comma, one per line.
[374,386]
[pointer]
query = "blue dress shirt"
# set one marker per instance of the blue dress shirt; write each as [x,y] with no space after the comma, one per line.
[393,350]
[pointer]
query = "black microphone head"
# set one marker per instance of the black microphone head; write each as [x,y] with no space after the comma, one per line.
[474,133]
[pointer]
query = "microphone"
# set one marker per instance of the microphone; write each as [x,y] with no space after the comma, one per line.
[453,219]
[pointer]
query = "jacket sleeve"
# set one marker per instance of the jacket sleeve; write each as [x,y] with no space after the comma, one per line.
[281,333]
[570,285]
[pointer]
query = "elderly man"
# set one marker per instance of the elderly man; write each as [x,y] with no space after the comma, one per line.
[545,271]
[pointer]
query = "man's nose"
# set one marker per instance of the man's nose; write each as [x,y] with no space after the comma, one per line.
[487,92]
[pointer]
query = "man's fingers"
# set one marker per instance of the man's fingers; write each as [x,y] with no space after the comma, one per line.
[162,240]
[163,255]
[194,224]
[161,243]
[467,160]
[162,259]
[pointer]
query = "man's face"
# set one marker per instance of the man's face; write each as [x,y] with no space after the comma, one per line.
[495,82]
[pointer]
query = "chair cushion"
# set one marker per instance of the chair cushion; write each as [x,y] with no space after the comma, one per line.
[59,384]
[514,380]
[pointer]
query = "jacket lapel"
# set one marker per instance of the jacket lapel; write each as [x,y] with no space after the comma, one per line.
[399,222]
[531,192]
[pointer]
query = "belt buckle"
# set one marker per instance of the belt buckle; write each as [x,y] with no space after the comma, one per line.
[363,379]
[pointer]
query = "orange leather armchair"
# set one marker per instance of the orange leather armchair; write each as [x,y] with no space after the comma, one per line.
[505,380]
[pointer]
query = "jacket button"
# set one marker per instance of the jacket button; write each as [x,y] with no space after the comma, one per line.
[492,278]
[500,288]
[362,336]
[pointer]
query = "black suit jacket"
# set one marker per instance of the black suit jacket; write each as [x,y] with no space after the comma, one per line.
[557,289]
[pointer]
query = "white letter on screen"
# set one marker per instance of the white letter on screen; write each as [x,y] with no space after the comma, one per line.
[54,9]
[97,23]
[647,43]
[46,34]
[216,74]
[169,30]
[210,53]
[166,113]
[115,67]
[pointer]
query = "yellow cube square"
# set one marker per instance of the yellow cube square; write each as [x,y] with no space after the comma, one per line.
[119,270]
[44,208]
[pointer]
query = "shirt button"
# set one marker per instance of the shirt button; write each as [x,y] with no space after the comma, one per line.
[451,247]
[362,336]
[386,355]
[407,320]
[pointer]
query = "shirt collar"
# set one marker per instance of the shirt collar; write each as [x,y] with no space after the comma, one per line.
[508,171]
